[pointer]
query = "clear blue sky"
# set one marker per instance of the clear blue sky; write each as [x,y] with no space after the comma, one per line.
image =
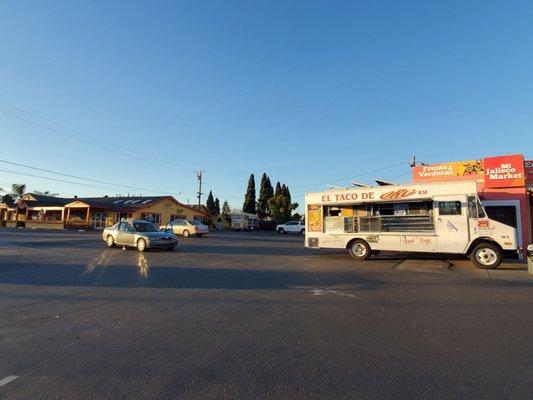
[311,92]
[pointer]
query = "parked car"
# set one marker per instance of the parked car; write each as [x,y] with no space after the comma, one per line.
[187,228]
[291,227]
[140,234]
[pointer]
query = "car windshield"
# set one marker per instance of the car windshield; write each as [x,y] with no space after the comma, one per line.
[193,222]
[145,227]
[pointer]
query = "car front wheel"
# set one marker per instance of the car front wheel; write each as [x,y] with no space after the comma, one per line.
[110,241]
[141,245]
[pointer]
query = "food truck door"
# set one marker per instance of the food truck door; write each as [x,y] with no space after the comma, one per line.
[451,223]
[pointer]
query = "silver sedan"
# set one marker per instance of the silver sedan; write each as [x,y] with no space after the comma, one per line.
[140,234]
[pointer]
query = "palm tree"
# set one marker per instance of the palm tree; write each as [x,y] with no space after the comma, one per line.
[18,189]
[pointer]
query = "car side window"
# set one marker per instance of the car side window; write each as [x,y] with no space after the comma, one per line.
[127,227]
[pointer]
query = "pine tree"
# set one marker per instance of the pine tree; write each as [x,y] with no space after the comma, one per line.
[280,205]
[217,206]
[210,203]
[280,208]
[278,189]
[249,199]
[270,189]
[226,210]
[262,202]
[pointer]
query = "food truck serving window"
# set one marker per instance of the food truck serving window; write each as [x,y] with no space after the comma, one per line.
[449,208]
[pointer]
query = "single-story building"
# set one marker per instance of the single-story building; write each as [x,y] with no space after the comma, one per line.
[37,211]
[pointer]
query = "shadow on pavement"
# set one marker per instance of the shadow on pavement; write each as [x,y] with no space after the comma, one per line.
[177,277]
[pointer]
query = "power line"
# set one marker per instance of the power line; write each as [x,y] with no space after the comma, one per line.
[352,177]
[93,142]
[113,184]
[52,179]
[81,178]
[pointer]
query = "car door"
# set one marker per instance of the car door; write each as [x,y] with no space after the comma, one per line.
[125,234]
[177,227]
[120,235]
[292,226]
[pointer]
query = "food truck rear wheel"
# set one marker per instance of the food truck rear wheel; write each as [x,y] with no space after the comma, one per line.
[486,256]
[360,250]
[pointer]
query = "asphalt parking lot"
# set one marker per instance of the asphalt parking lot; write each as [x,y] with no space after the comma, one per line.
[243,315]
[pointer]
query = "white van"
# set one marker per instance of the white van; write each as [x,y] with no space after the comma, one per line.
[429,218]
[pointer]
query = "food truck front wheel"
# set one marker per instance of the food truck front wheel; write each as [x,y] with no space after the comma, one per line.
[359,249]
[486,256]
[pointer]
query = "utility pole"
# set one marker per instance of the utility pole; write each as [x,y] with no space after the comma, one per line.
[199,176]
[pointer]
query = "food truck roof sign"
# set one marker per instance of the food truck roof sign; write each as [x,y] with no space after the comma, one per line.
[392,193]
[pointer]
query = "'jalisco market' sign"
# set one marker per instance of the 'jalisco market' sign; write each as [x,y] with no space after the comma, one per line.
[451,171]
[504,171]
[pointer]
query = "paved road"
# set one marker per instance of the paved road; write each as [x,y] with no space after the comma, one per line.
[253,316]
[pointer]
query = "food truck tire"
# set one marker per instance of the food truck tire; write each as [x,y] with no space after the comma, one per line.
[486,256]
[359,249]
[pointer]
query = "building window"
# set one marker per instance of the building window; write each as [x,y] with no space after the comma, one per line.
[199,218]
[155,218]
[119,216]
[174,217]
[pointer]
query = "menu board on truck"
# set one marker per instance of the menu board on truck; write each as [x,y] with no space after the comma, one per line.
[314,218]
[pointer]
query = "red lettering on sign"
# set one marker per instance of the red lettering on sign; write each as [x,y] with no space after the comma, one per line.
[397,194]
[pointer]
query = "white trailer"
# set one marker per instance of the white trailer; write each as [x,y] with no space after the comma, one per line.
[429,218]
[244,221]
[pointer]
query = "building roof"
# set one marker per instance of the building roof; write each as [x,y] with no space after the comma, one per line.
[131,203]
[120,203]
[39,200]
[203,209]
[8,204]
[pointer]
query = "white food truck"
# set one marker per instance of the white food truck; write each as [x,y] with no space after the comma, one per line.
[428,218]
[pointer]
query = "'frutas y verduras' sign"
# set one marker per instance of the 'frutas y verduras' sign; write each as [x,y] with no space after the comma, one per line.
[450,171]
